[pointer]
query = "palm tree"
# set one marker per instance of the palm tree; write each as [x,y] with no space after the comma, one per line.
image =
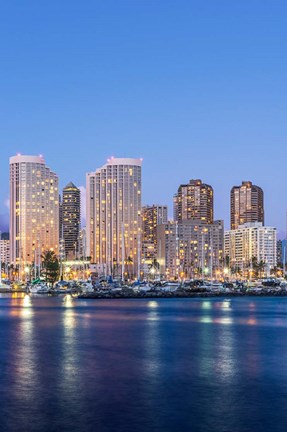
[51,266]
[261,267]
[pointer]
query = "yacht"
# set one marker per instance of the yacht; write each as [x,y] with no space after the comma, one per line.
[40,288]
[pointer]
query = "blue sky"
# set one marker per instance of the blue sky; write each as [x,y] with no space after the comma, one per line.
[196,88]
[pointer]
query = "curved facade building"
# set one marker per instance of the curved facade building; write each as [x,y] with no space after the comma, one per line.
[114,216]
[34,210]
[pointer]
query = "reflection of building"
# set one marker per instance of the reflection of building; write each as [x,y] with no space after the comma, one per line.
[34,209]
[190,249]
[247,204]
[194,201]
[114,215]
[251,240]
[152,216]
[71,215]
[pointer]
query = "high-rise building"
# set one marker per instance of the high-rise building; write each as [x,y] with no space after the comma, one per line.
[190,249]
[194,201]
[71,216]
[246,204]
[114,216]
[249,241]
[152,216]
[34,210]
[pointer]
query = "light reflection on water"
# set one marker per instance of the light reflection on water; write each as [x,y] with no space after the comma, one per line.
[78,365]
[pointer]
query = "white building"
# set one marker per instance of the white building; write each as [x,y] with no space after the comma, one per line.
[34,210]
[114,216]
[251,240]
[5,251]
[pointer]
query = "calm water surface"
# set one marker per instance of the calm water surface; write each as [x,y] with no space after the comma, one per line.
[143,365]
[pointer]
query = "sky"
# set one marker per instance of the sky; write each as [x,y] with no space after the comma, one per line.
[197,88]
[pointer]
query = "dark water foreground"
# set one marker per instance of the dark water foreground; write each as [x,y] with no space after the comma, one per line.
[143,365]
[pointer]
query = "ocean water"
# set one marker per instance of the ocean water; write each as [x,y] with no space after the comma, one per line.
[143,365]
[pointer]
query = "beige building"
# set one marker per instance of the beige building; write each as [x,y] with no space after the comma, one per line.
[246,204]
[190,249]
[34,209]
[194,201]
[114,216]
[251,240]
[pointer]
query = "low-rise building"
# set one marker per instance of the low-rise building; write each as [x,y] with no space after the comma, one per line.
[190,249]
[251,241]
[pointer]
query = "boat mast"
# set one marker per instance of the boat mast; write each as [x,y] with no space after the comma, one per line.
[123,251]
[139,254]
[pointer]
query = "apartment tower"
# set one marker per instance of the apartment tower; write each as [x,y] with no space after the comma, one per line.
[114,216]
[194,201]
[34,210]
[246,204]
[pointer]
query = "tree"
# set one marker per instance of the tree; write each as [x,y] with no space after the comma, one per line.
[261,267]
[51,266]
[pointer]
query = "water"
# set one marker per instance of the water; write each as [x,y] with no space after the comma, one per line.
[143,365]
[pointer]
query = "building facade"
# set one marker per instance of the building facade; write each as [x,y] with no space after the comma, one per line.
[114,216]
[71,220]
[5,251]
[190,249]
[83,243]
[152,216]
[194,201]
[249,241]
[34,210]
[246,204]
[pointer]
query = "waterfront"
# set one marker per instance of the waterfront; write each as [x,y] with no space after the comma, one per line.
[216,364]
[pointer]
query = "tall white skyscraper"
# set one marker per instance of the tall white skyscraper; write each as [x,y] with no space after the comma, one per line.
[114,216]
[34,209]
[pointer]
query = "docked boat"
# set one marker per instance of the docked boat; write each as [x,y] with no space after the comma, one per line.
[86,287]
[39,289]
[4,288]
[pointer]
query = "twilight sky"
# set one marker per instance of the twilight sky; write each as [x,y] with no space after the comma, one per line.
[195,87]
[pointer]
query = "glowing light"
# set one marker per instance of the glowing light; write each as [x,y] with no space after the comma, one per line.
[153,304]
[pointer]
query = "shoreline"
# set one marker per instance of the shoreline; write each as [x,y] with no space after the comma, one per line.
[173,295]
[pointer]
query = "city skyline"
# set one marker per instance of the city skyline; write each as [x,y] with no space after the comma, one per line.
[4,217]
[197,92]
